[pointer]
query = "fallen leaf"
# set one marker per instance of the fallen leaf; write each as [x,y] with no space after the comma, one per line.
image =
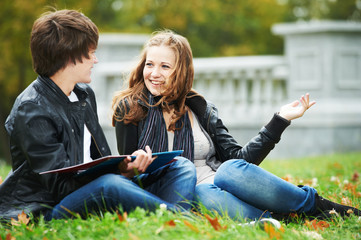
[188,224]
[123,217]
[1,180]
[355,177]
[317,225]
[288,178]
[333,211]
[346,201]
[271,231]
[337,165]
[170,223]
[9,237]
[350,211]
[351,188]
[215,224]
[22,219]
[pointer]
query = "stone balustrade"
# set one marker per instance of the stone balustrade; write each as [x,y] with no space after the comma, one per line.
[244,89]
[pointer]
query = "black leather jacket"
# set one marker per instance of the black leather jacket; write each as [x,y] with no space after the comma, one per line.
[226,147]
[46,132]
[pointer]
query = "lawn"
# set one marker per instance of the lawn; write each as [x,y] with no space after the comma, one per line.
[335,177]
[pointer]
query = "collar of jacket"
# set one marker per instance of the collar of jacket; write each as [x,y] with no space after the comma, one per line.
[49,86]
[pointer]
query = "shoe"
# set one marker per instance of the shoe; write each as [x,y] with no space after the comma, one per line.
[262,222]
[326,208]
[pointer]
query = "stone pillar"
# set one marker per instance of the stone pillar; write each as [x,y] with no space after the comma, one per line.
[324,58]
[116,53]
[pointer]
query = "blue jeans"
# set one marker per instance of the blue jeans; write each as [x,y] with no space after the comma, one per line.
[173,185]
[243,190]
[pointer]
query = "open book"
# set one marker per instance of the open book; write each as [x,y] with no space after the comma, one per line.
[162,158]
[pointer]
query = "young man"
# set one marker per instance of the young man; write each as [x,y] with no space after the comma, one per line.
[53,124]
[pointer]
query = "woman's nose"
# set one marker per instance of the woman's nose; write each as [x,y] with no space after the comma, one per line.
[155,72]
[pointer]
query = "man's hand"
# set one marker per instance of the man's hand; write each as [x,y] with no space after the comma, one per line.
[143,159]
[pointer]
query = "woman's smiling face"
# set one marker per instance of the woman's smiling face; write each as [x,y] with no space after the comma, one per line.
[159,65]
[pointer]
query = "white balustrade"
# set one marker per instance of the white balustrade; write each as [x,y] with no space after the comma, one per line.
[243,88]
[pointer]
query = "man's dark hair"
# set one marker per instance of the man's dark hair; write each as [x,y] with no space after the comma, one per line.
[61,37]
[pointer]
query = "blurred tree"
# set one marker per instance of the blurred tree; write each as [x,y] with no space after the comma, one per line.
[213,27]
[322,9]
[16,20]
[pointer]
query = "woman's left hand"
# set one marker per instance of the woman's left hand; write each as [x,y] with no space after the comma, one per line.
[293,110]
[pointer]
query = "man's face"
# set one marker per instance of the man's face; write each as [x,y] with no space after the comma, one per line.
[81,71]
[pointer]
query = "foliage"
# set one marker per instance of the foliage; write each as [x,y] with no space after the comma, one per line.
[334,173]
[323,9]
[213,27]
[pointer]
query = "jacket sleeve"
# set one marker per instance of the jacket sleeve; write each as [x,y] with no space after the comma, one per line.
[256,149]
[38,136]
[127,136]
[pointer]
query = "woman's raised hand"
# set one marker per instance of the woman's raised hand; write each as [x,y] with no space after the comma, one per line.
[297,108]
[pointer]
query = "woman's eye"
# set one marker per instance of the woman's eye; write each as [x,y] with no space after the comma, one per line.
[148,64]
[166,66]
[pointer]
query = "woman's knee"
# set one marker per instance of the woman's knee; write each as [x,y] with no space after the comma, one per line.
[185,166]
[230,170]
[207,195]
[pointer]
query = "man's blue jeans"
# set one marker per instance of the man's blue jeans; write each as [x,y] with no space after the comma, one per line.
[173,185]
[244,190]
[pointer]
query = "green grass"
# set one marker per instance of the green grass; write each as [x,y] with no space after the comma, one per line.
[333,176]
[4,169]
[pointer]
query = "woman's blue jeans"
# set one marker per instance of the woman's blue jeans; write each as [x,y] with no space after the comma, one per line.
[243,190]
[173,185]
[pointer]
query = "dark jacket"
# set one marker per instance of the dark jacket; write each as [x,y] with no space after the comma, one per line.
[226,147]
[46,132]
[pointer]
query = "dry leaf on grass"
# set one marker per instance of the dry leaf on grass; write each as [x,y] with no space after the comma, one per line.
[169,223]
[22,219]
[272,232]
[215,224]
[123,217]
[317,225]
[355,177]
[188,224]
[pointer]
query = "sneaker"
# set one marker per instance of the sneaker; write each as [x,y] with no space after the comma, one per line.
[261,223]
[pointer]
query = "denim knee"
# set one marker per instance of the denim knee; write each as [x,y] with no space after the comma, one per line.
[110,184]
[204,196]
[185,166]
[224,172]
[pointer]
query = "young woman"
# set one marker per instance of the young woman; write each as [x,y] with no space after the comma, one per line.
[160,109]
